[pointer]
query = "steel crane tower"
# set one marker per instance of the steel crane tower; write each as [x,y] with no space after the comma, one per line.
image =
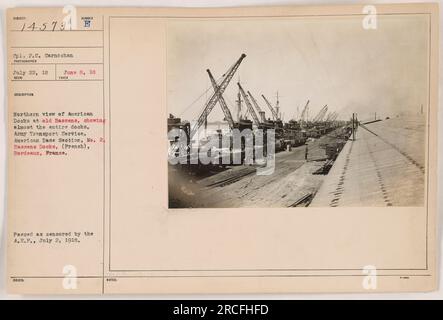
[249,105]
[215,96]
[320,115]
[304,112]
[274,113]
[260,111]
[222,102]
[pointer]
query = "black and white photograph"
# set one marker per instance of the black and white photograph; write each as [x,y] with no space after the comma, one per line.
[298,111]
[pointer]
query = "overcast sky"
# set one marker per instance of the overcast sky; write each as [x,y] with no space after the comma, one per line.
[328,60]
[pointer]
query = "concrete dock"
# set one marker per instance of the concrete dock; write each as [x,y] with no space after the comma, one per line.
[383,166]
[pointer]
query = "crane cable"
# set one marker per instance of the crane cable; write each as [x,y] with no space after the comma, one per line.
[204,93]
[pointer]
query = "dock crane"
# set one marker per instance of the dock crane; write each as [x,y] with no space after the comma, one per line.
[227,77]
[274,113]
[222,102]
[334,116]
[328,117]
[321,114]
[260,111]
[304,112]
[215,96]
[249,105]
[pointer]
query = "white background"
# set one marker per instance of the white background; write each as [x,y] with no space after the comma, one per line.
[191,3]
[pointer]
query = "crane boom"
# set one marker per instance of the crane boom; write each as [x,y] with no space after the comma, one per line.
[214,98]
[260,112]
[332,116]
[320,115]
[248,104]
[274,113]
[303,113]
[222,102]
[323,115]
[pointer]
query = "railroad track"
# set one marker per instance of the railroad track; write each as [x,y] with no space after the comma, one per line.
[230,180]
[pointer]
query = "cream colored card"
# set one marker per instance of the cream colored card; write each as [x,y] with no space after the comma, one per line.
[343,199]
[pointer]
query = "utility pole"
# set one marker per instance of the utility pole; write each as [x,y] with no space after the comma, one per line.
[353,126]
[277,107]
[239,101]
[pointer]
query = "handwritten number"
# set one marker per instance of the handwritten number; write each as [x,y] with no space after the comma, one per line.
[32,26]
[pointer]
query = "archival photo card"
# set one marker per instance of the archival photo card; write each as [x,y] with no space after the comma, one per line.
[222,150]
